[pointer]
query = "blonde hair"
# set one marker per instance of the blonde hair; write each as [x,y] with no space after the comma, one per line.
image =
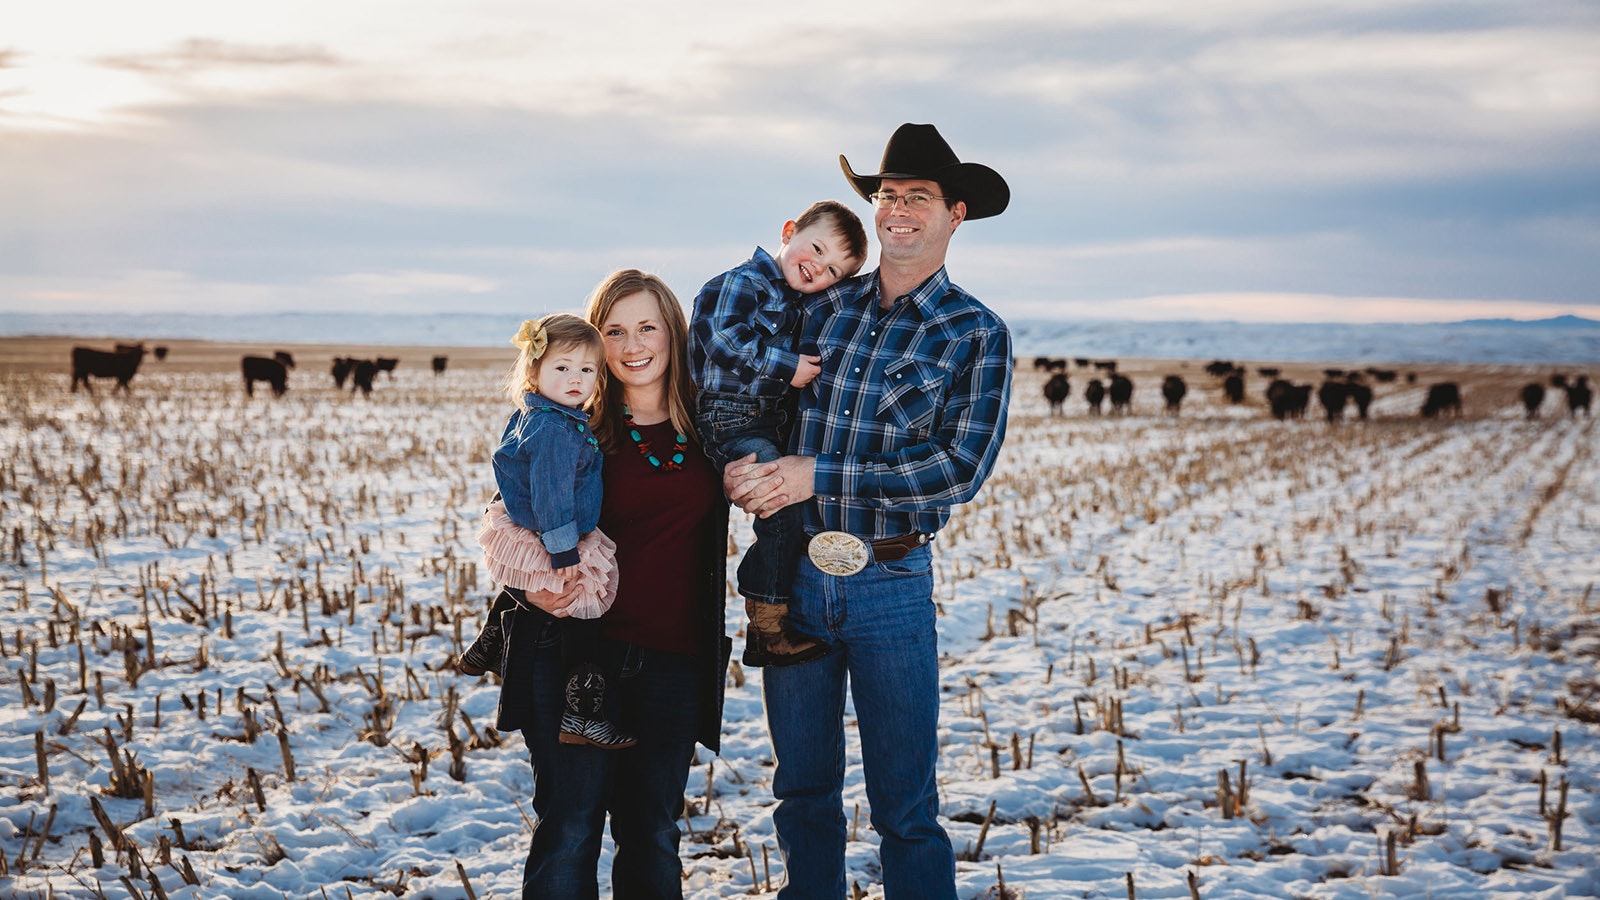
[605,410]
[539,337]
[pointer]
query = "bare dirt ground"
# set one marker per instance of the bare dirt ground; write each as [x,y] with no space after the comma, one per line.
[54,354]
[1487,390]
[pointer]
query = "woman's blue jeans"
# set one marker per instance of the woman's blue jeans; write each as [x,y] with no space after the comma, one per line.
[655,696]
[880,624]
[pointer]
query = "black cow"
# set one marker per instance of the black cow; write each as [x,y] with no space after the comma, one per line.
[1442,397]
[1233,386]
[1081,362]
[1559,380]
[1579,395]
[1333,395]
[1384,376]
[386,364]
[1268,371]
[1172,390]
[1333,373]
[341,370]
[1532,398]
[1095,394]
[1287,399]
[439,362]
[1121,394]
[361,376]
[1106,365]
[1219,367]
[274,371]
[121,365]
[1361,396]
[1041,363]
[1056,391]
[161,352]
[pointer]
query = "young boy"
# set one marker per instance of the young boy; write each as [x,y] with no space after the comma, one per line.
[742,344]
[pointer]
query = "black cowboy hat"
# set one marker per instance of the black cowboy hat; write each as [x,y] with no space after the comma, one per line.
[918,152]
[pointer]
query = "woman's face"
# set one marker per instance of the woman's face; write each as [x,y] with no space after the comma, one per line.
[637,343]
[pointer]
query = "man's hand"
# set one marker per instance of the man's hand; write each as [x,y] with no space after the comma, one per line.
[765,488]
[808,368]
[554,603]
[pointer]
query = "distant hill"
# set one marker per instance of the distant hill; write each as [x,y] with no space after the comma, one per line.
[1567,340]
[1556,322]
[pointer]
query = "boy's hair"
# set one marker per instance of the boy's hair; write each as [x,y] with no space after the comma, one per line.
[606,407]
[845,223]
[561,331]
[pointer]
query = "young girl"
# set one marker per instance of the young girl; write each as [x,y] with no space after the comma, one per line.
[541,535]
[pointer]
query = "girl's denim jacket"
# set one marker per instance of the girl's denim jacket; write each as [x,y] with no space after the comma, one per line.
[547,468]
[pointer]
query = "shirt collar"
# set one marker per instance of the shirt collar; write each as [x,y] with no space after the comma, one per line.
[924,297]
[767,265]
[535,400]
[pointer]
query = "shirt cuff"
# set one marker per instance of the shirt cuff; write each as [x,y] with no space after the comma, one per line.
[781,365]
[562,545]
[830,479]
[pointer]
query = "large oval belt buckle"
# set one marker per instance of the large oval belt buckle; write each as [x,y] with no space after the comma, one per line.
[838,553]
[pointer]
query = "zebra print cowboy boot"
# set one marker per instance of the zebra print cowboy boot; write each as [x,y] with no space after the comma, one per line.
[583,722]
[488,648]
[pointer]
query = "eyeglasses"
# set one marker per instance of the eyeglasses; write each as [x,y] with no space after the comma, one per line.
[916,201]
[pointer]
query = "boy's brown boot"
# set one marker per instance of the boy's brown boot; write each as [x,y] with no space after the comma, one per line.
[769,641]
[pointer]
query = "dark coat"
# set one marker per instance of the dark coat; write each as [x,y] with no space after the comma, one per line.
[523,627]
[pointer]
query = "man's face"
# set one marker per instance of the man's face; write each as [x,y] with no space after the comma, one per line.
[906,235]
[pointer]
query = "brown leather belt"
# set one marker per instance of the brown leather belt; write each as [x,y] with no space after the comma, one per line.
[843,554]
[896,548]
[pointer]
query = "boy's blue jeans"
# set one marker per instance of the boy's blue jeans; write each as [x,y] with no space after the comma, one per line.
[732,426]
[879,624]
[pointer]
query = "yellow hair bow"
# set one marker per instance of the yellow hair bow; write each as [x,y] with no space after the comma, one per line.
[531,338]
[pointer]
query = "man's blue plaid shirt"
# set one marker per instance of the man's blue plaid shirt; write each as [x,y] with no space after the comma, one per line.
[909,412]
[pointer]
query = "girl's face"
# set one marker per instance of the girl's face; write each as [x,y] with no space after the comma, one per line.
[567,375]
[637,344]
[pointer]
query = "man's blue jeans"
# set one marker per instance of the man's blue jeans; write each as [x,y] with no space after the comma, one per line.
[733,426]
[657,697]
[880,624]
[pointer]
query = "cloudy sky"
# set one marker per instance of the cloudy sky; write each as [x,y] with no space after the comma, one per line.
[1259,160]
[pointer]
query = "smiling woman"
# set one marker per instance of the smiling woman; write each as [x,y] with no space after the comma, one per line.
[663,636]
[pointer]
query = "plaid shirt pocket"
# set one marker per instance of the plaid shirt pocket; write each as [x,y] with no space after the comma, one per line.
[913,394]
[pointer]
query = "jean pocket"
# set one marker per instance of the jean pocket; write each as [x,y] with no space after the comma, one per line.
[717,418]
[917,562]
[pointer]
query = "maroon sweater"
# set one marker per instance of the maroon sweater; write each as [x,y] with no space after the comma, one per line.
[661,522]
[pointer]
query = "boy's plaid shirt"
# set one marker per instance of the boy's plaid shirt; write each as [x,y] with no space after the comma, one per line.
[909,412]
[741,335]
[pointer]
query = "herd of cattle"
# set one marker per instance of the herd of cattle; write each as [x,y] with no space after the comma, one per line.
[123,362]
[1340,390]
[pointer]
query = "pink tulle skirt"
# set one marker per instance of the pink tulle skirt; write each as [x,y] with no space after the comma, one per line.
[516,558]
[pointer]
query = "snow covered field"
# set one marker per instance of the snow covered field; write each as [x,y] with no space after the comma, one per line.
[1218,655]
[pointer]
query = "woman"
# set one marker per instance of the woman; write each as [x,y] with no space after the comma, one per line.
[664,508]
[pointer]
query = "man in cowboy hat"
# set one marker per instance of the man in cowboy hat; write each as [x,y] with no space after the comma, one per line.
[905,421]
